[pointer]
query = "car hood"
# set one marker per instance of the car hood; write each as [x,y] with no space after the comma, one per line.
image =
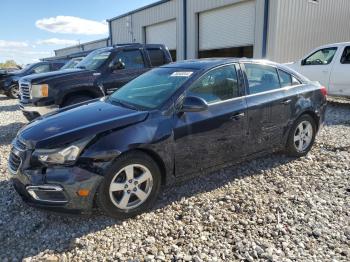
[77,122]
[41,78]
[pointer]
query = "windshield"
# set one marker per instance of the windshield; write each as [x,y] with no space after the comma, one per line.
[152,89]
[71,63]
[25,68]
[94,60]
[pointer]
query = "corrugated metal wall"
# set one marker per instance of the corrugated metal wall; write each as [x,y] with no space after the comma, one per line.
[82,47]
[298,26]
[131,28]
[67,50]
[95,44]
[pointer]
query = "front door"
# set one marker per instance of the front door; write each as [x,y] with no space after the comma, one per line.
[134,66]
[217,135]
[318,66]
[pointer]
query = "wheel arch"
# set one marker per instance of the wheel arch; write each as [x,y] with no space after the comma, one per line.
[157,159]
[79,92]
[314,115]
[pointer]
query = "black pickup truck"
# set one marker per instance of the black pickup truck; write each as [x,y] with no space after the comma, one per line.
[100,73]
[9,80]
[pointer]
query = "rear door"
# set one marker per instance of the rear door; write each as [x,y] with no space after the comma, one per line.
[135,64]
[266,102]
[340,76]
[217,135]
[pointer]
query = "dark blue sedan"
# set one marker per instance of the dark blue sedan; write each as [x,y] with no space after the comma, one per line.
[169,124]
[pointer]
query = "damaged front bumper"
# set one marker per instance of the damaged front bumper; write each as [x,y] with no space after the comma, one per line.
[58,188]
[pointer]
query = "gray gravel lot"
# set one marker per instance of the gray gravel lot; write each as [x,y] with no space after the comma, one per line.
[273,208]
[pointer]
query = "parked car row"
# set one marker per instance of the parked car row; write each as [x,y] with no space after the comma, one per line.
[100,73]
[9,80]
[157,123]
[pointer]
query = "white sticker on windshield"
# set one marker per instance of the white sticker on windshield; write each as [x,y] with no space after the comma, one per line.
[182,74]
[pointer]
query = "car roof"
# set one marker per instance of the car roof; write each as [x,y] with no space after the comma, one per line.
[334,44]
[207,63]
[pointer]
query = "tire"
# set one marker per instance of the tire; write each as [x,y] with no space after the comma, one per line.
[13,92]
[122,200]
[76,99]
[300,141]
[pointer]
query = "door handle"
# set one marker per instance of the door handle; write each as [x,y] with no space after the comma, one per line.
[286,102]
[237,116]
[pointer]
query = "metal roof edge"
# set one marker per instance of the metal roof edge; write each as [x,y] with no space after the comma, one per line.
[80,45]
[138,10]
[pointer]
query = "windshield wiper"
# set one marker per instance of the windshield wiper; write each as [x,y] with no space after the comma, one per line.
[125,104]
[81,67]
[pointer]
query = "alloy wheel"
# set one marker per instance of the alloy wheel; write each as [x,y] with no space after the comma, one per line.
[131,186]
[303,136]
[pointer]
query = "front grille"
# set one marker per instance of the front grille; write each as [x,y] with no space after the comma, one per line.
[14,162]
[24,90]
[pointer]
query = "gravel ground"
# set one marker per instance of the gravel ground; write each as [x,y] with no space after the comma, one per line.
[274,208]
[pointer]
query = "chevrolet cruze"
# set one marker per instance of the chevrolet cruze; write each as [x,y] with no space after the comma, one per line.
[169,124]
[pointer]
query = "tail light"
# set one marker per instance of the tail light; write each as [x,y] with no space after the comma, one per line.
[324,91]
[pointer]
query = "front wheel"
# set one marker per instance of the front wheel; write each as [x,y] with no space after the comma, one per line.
[302,136]
[130,186]
[13,92]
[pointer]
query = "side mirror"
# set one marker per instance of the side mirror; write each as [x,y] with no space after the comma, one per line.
[303,62]
[193,104]
[117,66]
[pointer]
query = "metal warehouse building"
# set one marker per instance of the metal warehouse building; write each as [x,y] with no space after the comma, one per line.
[82,47]
[280,30]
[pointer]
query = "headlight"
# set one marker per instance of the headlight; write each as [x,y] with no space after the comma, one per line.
[66,155]
[38,91]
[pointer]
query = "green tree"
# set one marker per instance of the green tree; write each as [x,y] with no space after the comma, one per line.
[8,63]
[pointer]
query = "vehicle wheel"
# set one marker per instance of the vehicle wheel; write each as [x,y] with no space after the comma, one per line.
[302,136]
[13,92]
[130,186]
[76,100]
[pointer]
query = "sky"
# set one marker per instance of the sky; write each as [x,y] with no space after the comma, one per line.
[32,29]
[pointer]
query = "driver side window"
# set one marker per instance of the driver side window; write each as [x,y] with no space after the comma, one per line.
[132,59]
[321,57]
[217,85]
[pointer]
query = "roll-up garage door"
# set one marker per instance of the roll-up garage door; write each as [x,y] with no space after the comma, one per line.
[227,27]
[162,33]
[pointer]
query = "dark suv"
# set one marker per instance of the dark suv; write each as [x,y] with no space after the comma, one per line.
[100,73]
[9,80]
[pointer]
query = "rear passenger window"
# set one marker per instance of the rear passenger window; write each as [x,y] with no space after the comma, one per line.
[285,78]
[261,78]
[217,85]
[132,59]
[157,56]
[345,59]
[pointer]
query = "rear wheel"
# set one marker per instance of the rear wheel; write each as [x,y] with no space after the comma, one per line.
[130,187]
[76,99]
[13,92]
[302,136]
